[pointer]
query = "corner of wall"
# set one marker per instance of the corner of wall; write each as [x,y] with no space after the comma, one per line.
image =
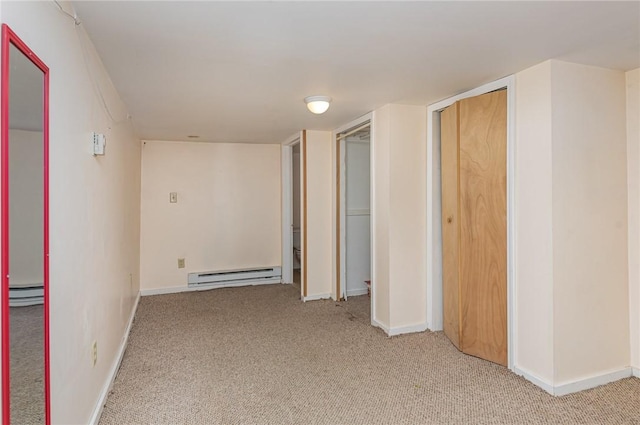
[633,186]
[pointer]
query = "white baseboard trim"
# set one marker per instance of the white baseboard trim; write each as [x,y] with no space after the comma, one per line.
[435,328]
[578,385]
[534,379]
[102,399]
[592,382]
[407,329]
[636,372]
[377,324]
[357,292]
[177,289]
[316,297]
[399,330]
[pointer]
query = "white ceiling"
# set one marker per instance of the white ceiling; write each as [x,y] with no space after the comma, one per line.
[238,71]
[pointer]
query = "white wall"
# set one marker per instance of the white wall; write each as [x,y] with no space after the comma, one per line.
[357,229]
[380,182]
[572,308]
[319,212]
[399,185]
[590,269]
[26,217]
[227,215]
[633,186]
[94,216]
[533,223]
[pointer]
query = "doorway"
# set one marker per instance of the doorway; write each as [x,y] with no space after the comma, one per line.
[296,225]
[435,257]
[353,215]
[292,213]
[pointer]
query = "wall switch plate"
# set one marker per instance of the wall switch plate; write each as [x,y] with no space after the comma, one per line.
[173,197]
[99,142]
[181,263]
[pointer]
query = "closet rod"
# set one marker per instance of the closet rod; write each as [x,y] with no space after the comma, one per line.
[355,130]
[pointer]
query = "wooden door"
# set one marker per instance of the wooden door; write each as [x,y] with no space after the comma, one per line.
[483,225]
[450,223]
[474,227]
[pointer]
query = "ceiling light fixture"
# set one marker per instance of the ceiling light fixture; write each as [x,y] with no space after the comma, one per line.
[317,104]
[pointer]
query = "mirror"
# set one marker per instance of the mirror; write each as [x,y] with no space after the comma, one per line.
[24,230]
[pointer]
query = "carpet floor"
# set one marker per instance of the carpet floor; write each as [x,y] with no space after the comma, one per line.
[27,365]
[257,355]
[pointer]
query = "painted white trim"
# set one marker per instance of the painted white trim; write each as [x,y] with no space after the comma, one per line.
[352,124]
[357,292]
[578,385]
[420,327]
[636,372]
[377,324]
[591,382]
[292,140]
[372,212]
[342,243]
[113,372]
[177,289]
[434,239]
[317,297]
[534,379]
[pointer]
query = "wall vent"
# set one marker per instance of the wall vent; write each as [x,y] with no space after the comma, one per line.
[239,277]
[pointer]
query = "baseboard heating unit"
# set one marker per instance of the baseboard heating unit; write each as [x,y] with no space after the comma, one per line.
[239,277]
[26,295]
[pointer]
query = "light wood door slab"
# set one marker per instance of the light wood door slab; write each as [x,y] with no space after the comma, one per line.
[450,224]
[483,225]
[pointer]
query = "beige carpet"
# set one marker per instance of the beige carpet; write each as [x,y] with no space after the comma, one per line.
[258,355]
[27,365]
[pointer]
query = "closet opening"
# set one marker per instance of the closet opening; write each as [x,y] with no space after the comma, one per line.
[292,214]
[353,213]
[470,194]
[296,227]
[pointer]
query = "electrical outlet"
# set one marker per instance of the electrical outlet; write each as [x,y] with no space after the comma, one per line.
[173,197]
[181,263]
[95,352]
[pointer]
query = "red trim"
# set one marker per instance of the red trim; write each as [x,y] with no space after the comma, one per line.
[8,38]
[4,198]
[47,364]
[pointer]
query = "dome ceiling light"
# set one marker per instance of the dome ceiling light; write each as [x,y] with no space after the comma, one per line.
[317,104]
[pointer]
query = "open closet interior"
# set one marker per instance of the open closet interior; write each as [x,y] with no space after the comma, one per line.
[296,214]
[356,235]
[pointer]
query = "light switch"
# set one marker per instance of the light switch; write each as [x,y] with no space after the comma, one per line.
[99,142]
[173,197]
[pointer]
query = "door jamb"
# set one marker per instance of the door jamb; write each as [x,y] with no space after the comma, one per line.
[434,203]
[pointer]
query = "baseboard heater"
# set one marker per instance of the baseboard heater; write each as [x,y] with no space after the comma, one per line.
[24,296]
[239,277]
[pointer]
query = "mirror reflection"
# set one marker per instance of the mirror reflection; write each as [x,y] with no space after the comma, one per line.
[26,239]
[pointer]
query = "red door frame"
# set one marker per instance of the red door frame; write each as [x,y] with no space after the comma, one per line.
[10,38]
